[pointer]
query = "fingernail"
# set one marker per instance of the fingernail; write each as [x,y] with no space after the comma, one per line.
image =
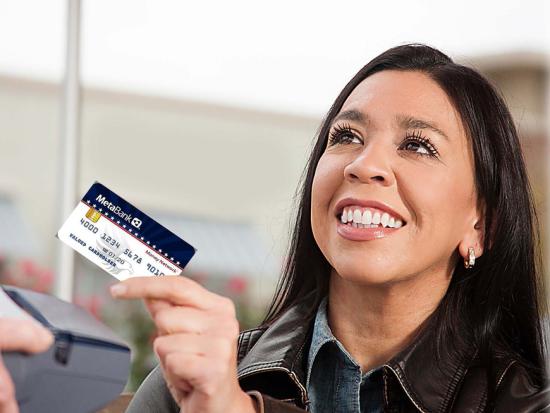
[118,289]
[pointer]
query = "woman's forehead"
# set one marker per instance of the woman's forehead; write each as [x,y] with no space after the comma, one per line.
[393,94]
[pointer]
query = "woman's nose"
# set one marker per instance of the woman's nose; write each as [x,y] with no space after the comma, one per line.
[371,165]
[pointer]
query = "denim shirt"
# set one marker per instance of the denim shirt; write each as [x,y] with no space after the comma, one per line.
[334,380]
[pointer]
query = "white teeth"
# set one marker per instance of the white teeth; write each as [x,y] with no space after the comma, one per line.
[359,218]
[366,219]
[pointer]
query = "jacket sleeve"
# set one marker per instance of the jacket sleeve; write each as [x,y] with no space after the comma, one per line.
[153,396]
[517,393]
[267,404]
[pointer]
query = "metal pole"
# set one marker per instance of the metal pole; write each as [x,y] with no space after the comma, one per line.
[547,223]
[69,148]
[547,136]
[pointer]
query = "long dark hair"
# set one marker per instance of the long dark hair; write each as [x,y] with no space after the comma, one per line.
[497,306]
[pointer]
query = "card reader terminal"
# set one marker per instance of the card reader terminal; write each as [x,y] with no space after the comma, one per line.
[86,367]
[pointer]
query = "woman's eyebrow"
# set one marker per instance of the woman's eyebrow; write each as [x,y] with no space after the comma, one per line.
[403,121]
[410,122]
[352,114]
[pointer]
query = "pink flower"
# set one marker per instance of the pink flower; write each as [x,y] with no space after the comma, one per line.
[237,285]
[27,267]
[44,280]
[92,304]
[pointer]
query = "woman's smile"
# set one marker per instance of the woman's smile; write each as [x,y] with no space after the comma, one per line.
[358,220]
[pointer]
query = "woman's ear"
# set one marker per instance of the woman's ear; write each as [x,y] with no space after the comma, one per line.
[475,234]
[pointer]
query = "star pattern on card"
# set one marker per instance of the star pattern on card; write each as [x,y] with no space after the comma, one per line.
[129,229]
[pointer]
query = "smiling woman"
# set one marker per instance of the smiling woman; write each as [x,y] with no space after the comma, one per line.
[388,163]
[412,283]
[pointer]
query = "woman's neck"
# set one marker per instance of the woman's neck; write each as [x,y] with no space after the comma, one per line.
[374,323]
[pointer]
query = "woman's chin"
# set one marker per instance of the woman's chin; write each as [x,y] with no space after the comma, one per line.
[366,275]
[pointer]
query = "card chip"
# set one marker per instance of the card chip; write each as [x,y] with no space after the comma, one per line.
[93,215]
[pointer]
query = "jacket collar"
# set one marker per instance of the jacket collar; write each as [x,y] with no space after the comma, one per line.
[284,346]
[428,382]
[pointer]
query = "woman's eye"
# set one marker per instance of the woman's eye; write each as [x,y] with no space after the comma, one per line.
[344,139]
[419,145]
[343,135]
[416,147]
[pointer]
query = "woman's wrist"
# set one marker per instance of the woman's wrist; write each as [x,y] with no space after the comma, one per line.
[249,403]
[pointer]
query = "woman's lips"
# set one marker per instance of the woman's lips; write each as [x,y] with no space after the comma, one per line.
[362,234]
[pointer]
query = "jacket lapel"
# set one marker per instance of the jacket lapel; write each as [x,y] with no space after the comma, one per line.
[280,350]
[429,383]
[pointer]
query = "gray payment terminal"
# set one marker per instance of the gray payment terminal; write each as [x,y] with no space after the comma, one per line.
[85,368]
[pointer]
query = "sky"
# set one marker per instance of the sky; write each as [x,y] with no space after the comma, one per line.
[284,56]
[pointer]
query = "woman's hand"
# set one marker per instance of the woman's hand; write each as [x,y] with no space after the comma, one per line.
[18,335]
[197,342]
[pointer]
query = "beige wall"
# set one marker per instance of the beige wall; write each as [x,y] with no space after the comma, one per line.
[165,155]
[29,140]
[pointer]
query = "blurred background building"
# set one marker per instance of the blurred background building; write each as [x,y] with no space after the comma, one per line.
[206,124]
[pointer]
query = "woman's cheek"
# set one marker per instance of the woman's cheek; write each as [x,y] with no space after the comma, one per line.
[328,177]
[326,182]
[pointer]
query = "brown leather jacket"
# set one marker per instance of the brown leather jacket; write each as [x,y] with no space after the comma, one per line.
[272,362]
[271,366]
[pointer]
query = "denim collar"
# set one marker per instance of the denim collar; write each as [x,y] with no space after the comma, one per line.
[322,334]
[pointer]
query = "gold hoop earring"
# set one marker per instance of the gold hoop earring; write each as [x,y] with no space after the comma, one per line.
[470,262]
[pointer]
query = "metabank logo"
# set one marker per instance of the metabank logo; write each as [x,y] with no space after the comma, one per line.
[136,222]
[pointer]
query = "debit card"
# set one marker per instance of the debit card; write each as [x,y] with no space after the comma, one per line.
[121,239]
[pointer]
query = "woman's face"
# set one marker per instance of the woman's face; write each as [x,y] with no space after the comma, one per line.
[397,153]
